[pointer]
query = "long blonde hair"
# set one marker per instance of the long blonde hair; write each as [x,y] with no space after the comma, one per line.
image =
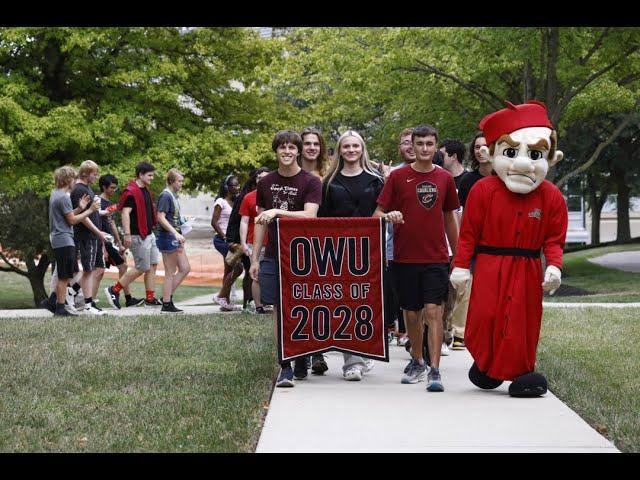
[338,162]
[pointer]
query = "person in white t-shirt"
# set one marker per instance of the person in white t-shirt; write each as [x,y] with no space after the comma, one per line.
[219,220]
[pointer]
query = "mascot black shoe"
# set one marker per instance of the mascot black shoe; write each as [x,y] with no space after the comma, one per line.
[480,380]
[529,385]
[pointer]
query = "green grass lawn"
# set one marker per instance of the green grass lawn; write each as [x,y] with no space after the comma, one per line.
[147,384]
[591,358]
[607,284]
[16,291]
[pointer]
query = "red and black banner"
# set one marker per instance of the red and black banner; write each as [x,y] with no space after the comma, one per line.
[331,274]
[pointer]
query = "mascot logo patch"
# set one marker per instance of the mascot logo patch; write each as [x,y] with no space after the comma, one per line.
[535,213]
[427,194]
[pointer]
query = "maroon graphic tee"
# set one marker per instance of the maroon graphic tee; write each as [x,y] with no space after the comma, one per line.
[422,198]
[286,193]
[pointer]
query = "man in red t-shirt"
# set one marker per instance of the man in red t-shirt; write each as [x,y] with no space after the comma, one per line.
[421,199]
[248,212]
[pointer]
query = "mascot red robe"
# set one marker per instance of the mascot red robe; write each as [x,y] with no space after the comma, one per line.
[509,219]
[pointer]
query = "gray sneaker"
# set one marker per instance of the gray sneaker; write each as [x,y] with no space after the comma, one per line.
[415,374]
[434,382]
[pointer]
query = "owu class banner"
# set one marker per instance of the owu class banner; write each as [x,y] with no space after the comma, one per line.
[331,274]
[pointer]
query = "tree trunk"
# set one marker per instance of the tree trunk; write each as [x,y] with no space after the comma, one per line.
[36,275]
[624,225]
[596,204]
[595,217]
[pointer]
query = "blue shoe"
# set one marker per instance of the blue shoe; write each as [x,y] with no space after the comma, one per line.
[415,374]
[434,382]
[285,378]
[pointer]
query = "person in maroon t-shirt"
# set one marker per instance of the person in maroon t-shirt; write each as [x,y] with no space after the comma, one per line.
[420,199]
[291,192]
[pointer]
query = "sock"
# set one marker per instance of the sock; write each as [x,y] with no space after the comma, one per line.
[88,302]
[285,365]
[150,295]
[117,288]
[127,297]
[59,307]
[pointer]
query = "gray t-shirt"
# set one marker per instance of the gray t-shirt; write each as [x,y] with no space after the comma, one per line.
[166,204]
[60,232]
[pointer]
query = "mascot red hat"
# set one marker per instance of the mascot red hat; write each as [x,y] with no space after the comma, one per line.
[529,114]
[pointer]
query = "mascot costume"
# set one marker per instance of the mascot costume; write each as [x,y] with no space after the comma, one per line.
[508,219]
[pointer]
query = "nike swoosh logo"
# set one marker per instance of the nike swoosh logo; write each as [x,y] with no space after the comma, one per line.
[410,180]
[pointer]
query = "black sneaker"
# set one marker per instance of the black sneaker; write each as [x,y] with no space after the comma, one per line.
[458,344]
[170,308]
[319,365]
[285,378]
[93,304]
[152,303]
[134,302]
[300,368]
[112,298]
[62,313]
[48,305]
[261,310]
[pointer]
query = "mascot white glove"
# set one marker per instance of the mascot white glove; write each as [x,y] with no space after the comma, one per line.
[552,279]
[460,278]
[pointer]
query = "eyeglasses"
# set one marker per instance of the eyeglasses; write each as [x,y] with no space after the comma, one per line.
[406,143]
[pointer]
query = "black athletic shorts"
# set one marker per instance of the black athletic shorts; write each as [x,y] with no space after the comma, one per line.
[421,283]
[113,256]
[100,256]
[87,250]
[66,262]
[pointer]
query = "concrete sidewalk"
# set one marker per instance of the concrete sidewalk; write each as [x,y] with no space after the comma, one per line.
[379,414]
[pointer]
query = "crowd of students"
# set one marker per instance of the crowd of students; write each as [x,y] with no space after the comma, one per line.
[422,200]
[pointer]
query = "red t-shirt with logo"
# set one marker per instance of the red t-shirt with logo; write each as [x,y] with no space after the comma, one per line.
[422,198]
[248,208]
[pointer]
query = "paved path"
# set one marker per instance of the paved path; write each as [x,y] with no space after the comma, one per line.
[626,261]
[379,414]
[203,304]
[194,306]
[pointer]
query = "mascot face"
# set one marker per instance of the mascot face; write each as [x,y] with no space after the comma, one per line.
[521,158]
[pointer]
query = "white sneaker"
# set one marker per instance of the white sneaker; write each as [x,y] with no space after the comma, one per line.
[223,302]
[70,299]
[402,341]
[353,374]
[72,310]
[368,365]
[444,351]
[91,310]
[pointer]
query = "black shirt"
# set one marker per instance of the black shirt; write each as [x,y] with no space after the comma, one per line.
[458,179]
[104,220]
[351,196]
[79,230]
[130,202]
[466,183]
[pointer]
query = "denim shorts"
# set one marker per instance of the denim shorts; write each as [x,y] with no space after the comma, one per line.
[167,242]
[268,280]
[221,245]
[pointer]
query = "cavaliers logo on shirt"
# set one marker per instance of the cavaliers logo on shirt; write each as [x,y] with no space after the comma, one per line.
[427,194]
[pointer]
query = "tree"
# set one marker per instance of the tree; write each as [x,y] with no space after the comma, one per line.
[190,98]
[26,241]
[387,78]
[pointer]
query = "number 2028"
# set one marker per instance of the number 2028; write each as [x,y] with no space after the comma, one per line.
[321,322]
